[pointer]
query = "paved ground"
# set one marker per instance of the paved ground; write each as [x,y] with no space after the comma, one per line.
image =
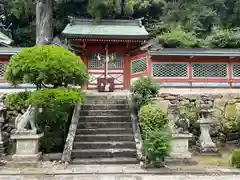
[51,168]
[121,177]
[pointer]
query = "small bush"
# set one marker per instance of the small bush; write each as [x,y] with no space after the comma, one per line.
[17,101]
[144,89]
[229,122]
[54,120]
[156,146]
[152,118]
[236,158]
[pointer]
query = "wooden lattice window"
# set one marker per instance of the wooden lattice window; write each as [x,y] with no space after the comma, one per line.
[93,62]
[117,63]
[236,70]
[2,69]
[139,65]
[170,70]
[210,70]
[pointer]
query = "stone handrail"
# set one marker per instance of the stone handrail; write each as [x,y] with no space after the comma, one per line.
[66,155]
[136,129]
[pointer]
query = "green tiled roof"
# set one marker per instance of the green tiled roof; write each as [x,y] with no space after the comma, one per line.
[195,52]
[114,29]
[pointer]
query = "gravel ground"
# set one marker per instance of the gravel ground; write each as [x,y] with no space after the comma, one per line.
[122,177]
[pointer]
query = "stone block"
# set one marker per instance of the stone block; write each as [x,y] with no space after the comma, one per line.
[27,157]
[180,146]
[162,104]
[27,147]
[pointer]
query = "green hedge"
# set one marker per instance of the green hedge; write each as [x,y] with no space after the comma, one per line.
[54,119]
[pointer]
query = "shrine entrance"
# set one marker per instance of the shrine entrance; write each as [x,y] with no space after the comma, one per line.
[106,47]
[106,71]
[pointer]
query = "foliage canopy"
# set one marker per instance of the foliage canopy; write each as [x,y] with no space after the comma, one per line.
[198,17]
[178,38]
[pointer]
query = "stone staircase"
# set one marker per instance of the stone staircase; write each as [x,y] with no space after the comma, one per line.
[104,134]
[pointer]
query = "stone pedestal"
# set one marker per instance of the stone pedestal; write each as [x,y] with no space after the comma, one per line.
[180,149]
[180,146]
[27,147]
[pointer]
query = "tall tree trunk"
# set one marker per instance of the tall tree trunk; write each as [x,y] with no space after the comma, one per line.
[44,21]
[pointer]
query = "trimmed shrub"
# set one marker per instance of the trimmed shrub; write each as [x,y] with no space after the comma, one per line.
[143,90]
[152,118]
[46,65]
[42,66]
[236,158]
[156,146]
[54,119]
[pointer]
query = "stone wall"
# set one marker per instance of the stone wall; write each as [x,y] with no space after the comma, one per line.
[220,96]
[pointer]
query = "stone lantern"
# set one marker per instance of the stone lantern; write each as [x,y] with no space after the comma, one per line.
[206,120]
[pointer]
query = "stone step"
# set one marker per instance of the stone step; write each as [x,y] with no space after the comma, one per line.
[105,97]
[104,119]
[104,137]
[104,145]
[105,106]
[106,161]
[105,131]
[105,113]
[99,153]
[106,101]
[95,124]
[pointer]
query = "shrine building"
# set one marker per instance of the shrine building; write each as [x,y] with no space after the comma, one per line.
[124,44]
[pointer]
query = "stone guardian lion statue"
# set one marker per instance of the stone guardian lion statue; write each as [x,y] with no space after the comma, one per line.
[25,119]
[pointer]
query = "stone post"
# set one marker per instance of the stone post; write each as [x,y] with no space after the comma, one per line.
[207,146]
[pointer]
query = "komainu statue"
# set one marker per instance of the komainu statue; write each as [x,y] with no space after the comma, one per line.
[25,120]
[182,125]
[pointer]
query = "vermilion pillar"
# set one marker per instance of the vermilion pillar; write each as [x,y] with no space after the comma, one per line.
[230,73]
[126,72]
[149,66]
[85,60]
